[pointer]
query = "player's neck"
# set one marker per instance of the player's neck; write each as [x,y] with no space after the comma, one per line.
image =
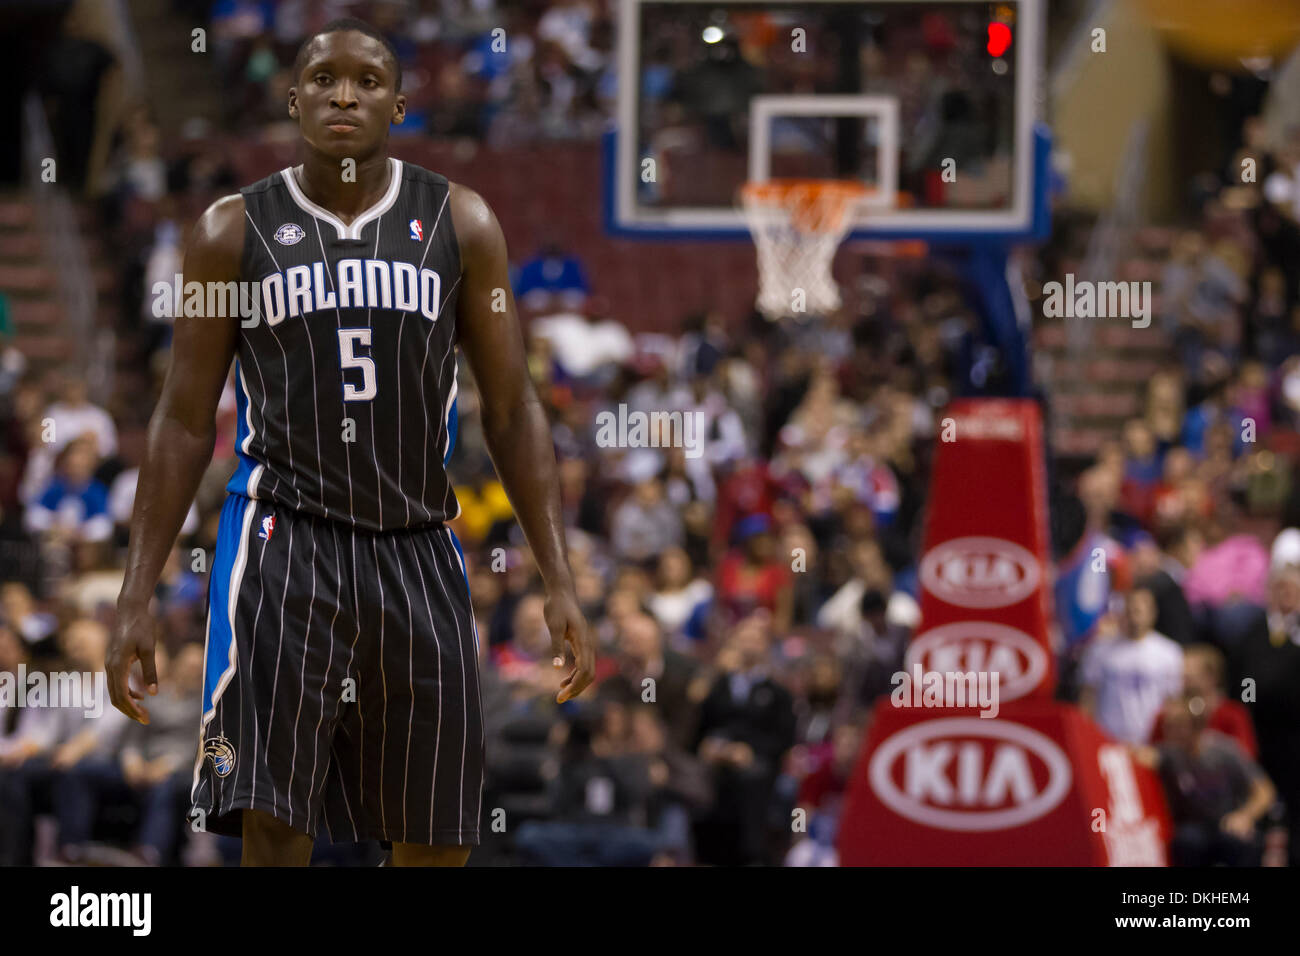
[322,180]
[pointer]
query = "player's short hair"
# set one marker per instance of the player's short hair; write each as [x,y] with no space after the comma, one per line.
[342,25]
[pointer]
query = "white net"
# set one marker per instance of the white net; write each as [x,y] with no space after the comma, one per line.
[797,226]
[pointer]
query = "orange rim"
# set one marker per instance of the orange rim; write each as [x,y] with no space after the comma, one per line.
[815,205]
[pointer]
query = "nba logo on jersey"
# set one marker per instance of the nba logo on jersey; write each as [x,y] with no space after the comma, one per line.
[417,230]
[268,528]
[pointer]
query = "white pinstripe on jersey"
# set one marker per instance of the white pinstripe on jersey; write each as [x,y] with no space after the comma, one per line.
[383,682]
[325,674]
[451,342]
[338,322]
[433,629]
[402,325]
[285,358]
[460,643]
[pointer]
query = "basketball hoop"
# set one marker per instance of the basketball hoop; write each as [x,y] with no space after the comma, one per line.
[797,225]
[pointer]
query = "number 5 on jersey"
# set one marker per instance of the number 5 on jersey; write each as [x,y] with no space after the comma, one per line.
[348,341]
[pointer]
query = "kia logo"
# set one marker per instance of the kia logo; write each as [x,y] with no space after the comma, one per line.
[980,572]
[965,773]
[978,647]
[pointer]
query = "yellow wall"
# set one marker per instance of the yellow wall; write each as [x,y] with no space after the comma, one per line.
[1105,93]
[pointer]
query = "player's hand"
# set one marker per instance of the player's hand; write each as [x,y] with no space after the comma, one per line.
[134,638]
[567,626]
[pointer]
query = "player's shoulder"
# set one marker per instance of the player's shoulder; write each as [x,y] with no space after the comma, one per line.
[447,197]
[217,240]
[413,174]
[476,225]
[222,223]
[264,185]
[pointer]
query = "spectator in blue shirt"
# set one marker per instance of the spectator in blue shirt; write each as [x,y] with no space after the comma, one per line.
[551,279]
[73,505]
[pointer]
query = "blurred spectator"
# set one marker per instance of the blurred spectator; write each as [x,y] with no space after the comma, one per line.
[674,690]
[584,346]
[746,726]
[679,595]
[1203,676]
[12,361]
[72,742]
[1156,573]
[155,767]
[1127,675]
[551,279]
[645,524]
[25,732]
[842,613]
[19,611]
[65,421]
[1235,568]
[821,793]
[1265,663]
[73,506]
[754,576]
[1217,794]
[121,503]
[601,802]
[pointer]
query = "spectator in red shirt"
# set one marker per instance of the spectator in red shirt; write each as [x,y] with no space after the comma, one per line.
[1203,670]
[756,576]
[749,489]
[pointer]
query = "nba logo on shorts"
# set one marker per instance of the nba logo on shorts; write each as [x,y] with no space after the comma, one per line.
[417,230]
[268,528]
[290,234]
[222,755]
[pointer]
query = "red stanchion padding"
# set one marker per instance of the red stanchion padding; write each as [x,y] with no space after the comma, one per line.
[1038,785]
[984,571]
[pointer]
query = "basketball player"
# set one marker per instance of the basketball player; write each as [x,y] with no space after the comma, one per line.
[341,683]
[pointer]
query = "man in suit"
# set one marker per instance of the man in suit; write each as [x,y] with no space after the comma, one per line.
[643,655]
[1268,656]
[747,724]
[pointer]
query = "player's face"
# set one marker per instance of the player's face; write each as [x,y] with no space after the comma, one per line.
[346,95]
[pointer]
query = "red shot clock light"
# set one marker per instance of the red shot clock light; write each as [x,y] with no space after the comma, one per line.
[999,38]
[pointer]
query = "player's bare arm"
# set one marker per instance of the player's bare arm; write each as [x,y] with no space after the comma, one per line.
[179,446]
[515,427]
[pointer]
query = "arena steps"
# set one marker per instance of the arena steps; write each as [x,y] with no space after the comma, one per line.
[30,281]
[164,37]
[1095,371]
[1094,391]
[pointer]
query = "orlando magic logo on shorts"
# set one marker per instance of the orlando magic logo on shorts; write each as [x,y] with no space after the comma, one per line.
[222,755]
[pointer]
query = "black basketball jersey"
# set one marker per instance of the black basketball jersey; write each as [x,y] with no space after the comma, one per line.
[346,383]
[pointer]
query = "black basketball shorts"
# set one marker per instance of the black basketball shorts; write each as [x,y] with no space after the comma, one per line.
[340,681]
